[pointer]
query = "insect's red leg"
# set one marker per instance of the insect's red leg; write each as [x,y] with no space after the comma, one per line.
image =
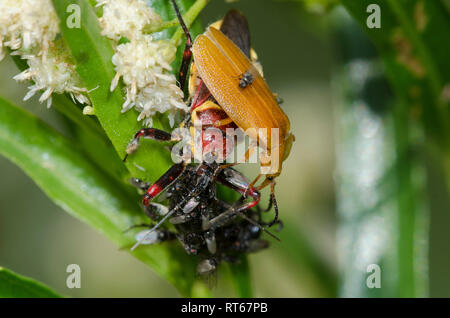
[187,55]
[149,133]
[236,181]
[163,182]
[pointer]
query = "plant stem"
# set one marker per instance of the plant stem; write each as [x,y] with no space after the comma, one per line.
[148,29]
[405,207]
[188,18]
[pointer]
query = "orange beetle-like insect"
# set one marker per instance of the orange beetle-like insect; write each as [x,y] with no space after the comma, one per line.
[219,62]
[227,90]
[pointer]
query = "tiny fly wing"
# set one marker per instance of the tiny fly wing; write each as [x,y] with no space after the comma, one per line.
[235,27]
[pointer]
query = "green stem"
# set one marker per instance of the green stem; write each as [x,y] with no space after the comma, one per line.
[149,29]
[405,206]
[446,163]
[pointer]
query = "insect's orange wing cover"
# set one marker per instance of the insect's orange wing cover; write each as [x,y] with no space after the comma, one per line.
[220,63]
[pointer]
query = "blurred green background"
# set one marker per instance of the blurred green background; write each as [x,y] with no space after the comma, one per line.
[307,59]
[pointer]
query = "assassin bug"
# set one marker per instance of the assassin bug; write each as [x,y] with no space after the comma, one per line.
[221,56]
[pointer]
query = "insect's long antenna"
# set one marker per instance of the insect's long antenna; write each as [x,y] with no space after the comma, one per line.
[180,18]
[258,225]
[154,228]
[187,55]
[232,210]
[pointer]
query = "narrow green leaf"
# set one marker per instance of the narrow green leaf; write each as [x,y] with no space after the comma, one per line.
[13,285]
[92,53]
[295,247]
[88,132]
[59,168]
[241,278]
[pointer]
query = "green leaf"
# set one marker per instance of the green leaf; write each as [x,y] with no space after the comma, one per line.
[296,248]
[73,182]
[240,274]
[13,285]
[92,53]
[87,131]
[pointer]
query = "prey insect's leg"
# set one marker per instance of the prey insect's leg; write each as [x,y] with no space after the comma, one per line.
[148,133]
[187,54]
[163,182]
[223,218]
[236,181]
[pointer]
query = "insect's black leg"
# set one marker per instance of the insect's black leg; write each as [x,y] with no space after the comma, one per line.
[187,54]
[275,208]
[236,181]
[149,133]
[273,201]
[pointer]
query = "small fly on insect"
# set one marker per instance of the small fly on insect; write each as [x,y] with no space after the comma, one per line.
[245,79]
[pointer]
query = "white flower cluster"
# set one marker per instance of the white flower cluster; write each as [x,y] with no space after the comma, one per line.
[28,28]
[22,24]
[125,18]
[143,63]
[52,74]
